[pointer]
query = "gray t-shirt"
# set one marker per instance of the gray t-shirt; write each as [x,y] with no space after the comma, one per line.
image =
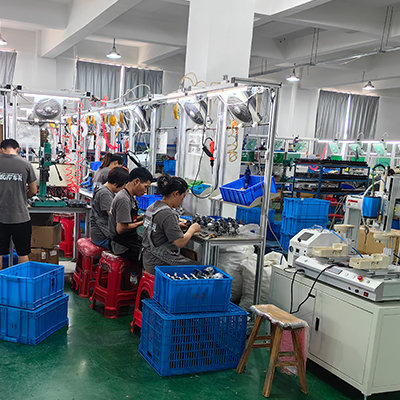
[123,210]
[100,178]
[15,174]
[101,203]
[165,229]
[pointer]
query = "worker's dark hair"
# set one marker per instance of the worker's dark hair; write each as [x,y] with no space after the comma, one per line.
[7,143]
[168,184]
[119,175]
[142,173]
[109,158]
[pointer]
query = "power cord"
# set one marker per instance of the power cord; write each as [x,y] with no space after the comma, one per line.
[309,293]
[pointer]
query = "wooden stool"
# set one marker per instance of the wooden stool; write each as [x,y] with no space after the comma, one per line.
[280,321]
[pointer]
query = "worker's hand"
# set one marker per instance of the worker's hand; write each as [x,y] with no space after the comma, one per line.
[183,226]
[195,227]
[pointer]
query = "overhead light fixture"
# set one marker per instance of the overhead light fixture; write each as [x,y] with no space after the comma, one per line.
[293,77]
[369,86]
[113,53]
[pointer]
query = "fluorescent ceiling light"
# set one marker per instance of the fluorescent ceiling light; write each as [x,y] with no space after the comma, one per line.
[369,86]
[113,53]
[293,77]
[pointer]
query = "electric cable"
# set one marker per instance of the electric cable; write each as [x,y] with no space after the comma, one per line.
[309,292]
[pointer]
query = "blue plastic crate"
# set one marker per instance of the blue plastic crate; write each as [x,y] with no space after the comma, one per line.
[169,167]
[32,326]
[31,284]
[147,200]
[395,224]
[292,226]
[7,256]
[191,295]
[176,344]
[234,192]
[274,230]
[252,215]
[305,208]
[284,241]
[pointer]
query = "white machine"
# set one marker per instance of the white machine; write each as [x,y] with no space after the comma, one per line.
[324,255]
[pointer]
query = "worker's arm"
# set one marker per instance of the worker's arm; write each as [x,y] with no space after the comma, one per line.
[122,228]
[187,236]
[32,189]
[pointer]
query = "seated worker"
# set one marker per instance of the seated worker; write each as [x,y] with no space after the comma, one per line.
[101,205]
[109,162]
[123,222]
[162,233]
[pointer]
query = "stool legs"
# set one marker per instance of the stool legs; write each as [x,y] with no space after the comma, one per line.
[300,363]
[273,359]
[249,345]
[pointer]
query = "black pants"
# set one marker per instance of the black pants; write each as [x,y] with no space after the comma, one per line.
[133,242]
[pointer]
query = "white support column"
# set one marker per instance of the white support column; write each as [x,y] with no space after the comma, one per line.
[219,38]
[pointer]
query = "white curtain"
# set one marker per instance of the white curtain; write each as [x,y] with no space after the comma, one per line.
[7,66]
[363,116]
[98,79]
[331,114]
[136,76]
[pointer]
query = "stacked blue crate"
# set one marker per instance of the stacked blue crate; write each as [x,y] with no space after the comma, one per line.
[302,213]
[32,302]
[190,326]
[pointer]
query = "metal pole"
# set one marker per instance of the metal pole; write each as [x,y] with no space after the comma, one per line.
[153,140]
[14,115]
[269,163]
[182,145]
[221,138]
[5,117]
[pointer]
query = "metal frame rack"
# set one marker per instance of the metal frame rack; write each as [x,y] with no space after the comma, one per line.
[320,176]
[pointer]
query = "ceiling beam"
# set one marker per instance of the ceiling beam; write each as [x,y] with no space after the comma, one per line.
[284,8]
[86,17]
[153,53]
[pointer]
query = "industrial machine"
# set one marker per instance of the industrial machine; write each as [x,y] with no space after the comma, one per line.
[331,257]
[42,199]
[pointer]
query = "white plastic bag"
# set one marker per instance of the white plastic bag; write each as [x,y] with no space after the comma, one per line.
[231,259]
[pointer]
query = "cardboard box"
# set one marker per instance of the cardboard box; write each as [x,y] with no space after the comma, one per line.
[49,256]
[46,237]
[42,219]
[370,246]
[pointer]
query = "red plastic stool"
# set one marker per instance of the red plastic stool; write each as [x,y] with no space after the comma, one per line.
[86,267]
[67,233]
[113,287]
[146,285]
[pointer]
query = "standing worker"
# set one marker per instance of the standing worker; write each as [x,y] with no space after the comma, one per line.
[101,205]
[109,162]
[162,235]
[15,222]
[123,221]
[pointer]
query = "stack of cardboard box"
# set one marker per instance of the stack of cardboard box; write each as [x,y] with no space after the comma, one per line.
[46,237]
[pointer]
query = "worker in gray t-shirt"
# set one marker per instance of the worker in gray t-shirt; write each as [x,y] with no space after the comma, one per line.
[123,221]
[15,222]
[101,205]
[162,234]
[109,162]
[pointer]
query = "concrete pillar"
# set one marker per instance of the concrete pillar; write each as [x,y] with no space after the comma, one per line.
[219,38]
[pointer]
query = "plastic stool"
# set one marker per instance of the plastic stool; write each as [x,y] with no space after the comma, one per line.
[67,233]
[113,287]
[146,286]
[280,321]
[86,269]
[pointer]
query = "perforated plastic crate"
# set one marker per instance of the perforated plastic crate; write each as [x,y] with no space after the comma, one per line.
[32,326]
[169,167]
[147,200]
[191,295]
[31,284]
[234,192]
[274,231]
[176,344]
[252,215]
[292,225]
[305,208]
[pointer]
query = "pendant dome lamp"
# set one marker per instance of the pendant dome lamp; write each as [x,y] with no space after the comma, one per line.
[113,53]
[3,42]
[293,77]
[369,86]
